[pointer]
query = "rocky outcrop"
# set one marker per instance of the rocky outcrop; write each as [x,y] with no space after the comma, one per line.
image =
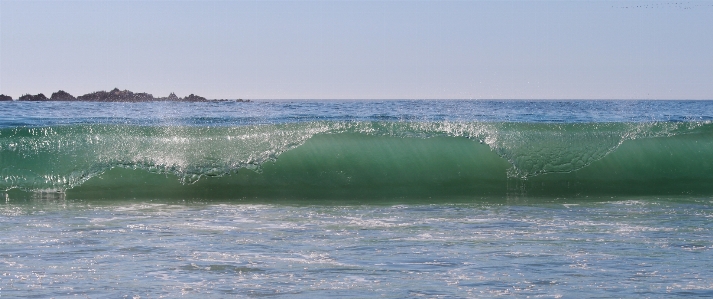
[190,98]
[35,98]
[172,97]
[194,98]
[62,96]
[116,95]
[5,98]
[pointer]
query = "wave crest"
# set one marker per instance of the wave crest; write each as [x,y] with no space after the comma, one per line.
[62,157]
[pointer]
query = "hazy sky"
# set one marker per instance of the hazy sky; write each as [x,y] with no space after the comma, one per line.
[361,49]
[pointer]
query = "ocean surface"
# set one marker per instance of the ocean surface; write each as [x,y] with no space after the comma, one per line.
[363,199]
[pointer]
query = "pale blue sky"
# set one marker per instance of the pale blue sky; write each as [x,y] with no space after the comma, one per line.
[361,49]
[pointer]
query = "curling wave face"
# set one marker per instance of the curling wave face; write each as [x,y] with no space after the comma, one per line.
[360,158]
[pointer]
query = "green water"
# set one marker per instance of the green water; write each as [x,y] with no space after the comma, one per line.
[372,168]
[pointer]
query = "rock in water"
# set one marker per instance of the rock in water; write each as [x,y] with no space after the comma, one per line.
[37,97]
[172,97]
[116,95]
[62,96]
[194,98]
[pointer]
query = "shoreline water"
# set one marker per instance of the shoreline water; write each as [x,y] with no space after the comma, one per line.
[650,247]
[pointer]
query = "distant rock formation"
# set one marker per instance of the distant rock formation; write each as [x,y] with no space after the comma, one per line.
[172,97]
[115,95]
[194,98]
[62,96]
[35,98]
[191,98]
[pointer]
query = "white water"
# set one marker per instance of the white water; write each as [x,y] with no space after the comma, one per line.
[638,247]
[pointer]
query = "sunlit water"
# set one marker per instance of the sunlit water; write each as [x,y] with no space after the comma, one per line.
[644,247]
[207,246]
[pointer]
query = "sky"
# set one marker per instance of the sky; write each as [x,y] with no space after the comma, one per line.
[360,49]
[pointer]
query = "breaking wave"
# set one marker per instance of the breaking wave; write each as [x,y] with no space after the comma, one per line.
[352,158]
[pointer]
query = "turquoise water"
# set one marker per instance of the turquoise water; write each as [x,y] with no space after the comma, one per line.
[357,199]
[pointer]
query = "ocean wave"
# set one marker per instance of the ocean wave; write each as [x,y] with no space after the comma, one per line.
[64,157]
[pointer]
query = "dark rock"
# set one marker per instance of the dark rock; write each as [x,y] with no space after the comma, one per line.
[62,96]
[194,98]
[172,97]
[116,95]
[35,98]
[5,98]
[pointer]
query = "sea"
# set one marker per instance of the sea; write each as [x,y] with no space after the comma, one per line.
[357,199]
